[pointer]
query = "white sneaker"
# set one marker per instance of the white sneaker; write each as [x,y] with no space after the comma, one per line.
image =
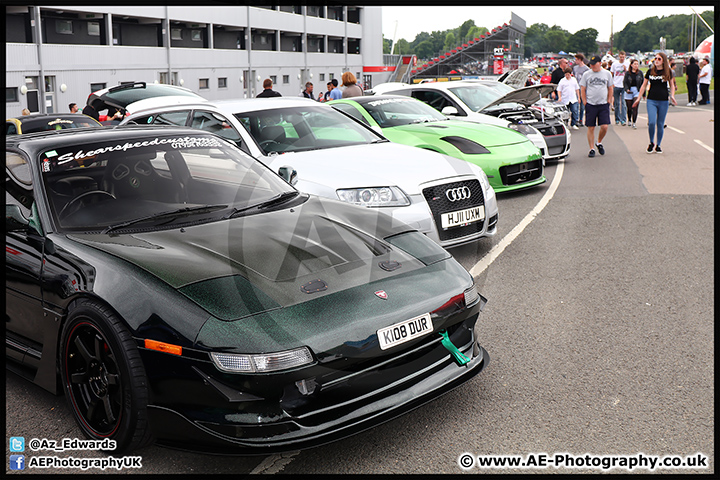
[689,104]
[575,127]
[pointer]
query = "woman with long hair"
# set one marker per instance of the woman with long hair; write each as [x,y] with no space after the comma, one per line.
[632,83]
[659,77]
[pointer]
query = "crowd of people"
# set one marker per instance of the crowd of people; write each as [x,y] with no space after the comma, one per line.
[349,88]
[592,91]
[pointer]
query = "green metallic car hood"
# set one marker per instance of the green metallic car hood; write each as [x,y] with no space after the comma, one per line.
[267,257]
[431,132]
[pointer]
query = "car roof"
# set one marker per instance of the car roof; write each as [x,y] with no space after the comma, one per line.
[127,94]
[40,141]
[374,98]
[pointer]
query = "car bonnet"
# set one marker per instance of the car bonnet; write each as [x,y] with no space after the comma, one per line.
[524,96]
[274,253]
[373,165]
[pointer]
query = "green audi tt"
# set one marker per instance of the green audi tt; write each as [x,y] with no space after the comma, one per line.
[509,159]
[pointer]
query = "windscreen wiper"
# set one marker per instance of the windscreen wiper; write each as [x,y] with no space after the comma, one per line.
[277,199]
[180,212]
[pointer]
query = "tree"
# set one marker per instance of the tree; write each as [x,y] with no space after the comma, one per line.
[556,39]
[450,41]
[475,32]
[424,50]
[584,41]
[464,29]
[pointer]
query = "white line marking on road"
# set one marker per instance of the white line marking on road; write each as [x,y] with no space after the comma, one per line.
[707,147]
[273,464]
[508,239]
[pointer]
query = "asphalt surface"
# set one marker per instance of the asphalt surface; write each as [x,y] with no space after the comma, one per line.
[599,326]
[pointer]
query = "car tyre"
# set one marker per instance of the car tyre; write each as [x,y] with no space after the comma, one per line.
[103,377]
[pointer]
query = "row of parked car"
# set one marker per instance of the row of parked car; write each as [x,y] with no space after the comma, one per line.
[203,274]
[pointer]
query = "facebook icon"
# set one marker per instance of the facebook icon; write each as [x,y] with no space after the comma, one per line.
[17,462]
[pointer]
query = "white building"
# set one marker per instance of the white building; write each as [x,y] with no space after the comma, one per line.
[60,54]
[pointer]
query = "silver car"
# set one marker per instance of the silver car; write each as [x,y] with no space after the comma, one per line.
[324,152]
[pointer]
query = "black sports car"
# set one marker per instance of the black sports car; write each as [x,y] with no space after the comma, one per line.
[177,289]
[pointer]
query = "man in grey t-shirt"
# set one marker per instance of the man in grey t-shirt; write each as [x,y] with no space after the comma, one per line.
[596,91]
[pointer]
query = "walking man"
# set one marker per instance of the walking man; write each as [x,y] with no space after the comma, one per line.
[704,80]
[618,70]
[578,70]
[691,72]
[596,91]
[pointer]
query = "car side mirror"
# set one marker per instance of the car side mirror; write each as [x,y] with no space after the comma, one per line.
[14,219]
[449,110]
[289,174]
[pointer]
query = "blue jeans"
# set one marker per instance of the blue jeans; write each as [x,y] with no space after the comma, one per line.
[574,111]
[619,104]
[657,111]
[581,117]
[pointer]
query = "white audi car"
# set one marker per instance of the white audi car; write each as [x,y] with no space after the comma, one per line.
[324,152]
[486,101]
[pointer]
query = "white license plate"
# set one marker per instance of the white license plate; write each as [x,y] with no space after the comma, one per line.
[463,217]
[404,331]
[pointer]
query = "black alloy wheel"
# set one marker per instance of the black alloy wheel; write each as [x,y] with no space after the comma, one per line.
[103,377]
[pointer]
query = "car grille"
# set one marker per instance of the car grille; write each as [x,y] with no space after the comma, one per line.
[551,130]
[439,204]
[521,172]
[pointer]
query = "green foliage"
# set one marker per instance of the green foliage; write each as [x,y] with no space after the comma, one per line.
[641,36]
[645,35]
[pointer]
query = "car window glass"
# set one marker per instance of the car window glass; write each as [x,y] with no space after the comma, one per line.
[18,168]
[351,110]
[393,112]
[477,97]
[10,128]
[172,118]
[296,129]
[435,99]
[93,185]
[217,124]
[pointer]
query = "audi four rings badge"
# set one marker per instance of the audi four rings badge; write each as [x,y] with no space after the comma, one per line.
[461,193]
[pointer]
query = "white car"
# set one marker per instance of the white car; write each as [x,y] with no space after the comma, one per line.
[488,101]
[324,152]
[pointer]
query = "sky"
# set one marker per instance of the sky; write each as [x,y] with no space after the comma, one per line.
[412,20]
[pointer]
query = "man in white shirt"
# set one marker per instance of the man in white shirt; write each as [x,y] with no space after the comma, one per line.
[618,70]
[704,81]
[569,92]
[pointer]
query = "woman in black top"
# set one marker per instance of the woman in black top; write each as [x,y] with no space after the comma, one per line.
[631,84]
[659,78]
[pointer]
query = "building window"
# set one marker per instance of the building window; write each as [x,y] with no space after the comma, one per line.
[286,78]
[197,36]
[273,78]
[64,27]
[11,94]
[94,87]
[322,77]
[222,82]
[204,84]
[93,29]
[176,33]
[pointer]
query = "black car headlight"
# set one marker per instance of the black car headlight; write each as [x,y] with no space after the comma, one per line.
[262,362]
[524,129]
